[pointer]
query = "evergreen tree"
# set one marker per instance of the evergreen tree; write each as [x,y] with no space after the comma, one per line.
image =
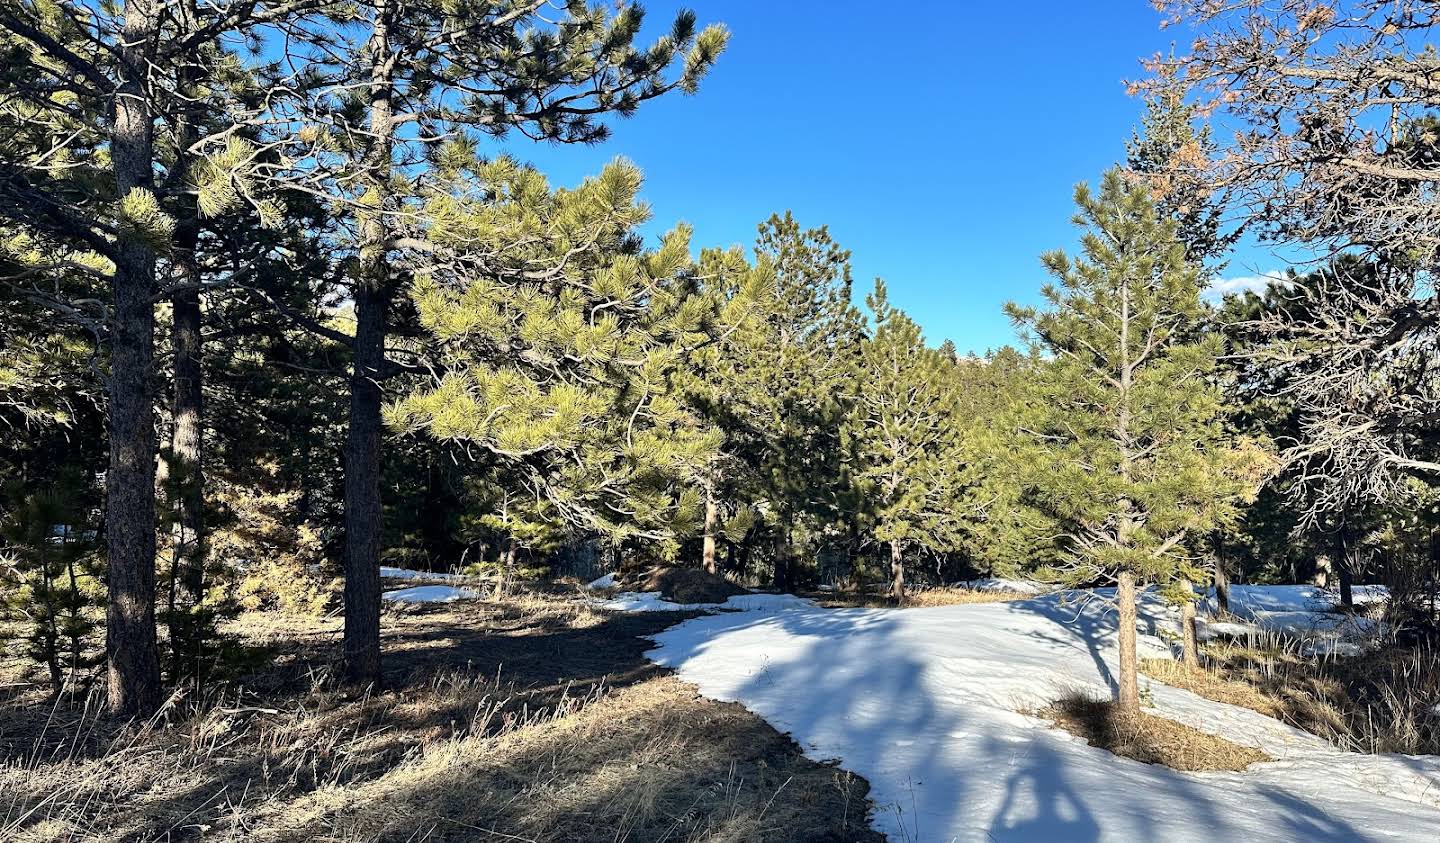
[1137,463]
[454,71]
[1173,157]
[559,343]
[905,438]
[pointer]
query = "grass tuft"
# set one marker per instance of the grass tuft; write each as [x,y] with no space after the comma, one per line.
[1146,737]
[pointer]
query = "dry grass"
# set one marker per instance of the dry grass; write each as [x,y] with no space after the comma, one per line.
[1148,738]
[915,599]
[687,585]
[533,718]
[1382,701]
[1210,685]
[954,596]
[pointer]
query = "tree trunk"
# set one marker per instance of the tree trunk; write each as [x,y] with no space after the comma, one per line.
[782,563]
[1127,697]
[897,572]
[1189,649]
[1347,559]
[363,510]
[1324,568]
[133,669]
[186,447]
[1222,584]
[712,523]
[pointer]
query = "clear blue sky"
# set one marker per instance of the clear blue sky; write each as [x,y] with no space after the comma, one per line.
[940,143]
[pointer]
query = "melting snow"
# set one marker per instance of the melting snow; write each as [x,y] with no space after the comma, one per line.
[430,594]
[925,704]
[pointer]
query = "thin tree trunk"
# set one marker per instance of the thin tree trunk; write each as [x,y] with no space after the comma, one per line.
[133,669]
[187,404]
[1347,560]
[1222,584]
[712,523]
[897,572]
[186,450]
[1189,649]
[363,510]
[1127,699]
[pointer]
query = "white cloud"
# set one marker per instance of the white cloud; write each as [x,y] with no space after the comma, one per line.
[1222,287]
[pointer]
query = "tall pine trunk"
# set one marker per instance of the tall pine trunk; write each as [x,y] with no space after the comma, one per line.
[1127,696]
[186,478]
[712,523]
[133,669]
[363,509]
[897,571]
[187,401]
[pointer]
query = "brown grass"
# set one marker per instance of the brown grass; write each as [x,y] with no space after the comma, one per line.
[533,718]
[1210,685]
[1148,738]
[915,599]
[687,585]
[1379,702]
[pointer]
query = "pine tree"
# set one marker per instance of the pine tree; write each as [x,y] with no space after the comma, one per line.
[1172,156]
[789,385]
[559,344]
[48,579]
[455,71]
[906,438]
[1136,463]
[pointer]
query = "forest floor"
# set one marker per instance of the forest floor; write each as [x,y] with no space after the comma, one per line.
[533,718]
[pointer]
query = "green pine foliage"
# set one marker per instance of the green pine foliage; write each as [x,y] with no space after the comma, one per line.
[49,582]
[905,438]
[1123,444]
[558,357]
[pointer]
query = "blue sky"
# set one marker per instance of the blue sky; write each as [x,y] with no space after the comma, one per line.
[939,143]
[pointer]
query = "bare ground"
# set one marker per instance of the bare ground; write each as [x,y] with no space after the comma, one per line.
[530,719]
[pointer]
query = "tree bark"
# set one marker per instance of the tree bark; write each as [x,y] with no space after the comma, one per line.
[782,563]
[372,291]
[1189,648]
[133,668]
[1127,695]
[712,523]
[1345,568]
[363,510]
[1222,584]
[897,572]
[186,439]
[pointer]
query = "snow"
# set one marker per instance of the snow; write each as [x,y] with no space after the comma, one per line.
[607,581]
[430,594]
[1301,611]
[927,704]
[408,574]
[651,601]
[1002,584]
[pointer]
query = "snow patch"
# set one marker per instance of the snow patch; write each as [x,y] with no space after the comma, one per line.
[651,601]
[1030,587]
[430,594]
[607,581]
[928,706]
[409,574]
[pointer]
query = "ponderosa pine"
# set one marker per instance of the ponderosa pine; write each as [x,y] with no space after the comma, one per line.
[1135,462]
